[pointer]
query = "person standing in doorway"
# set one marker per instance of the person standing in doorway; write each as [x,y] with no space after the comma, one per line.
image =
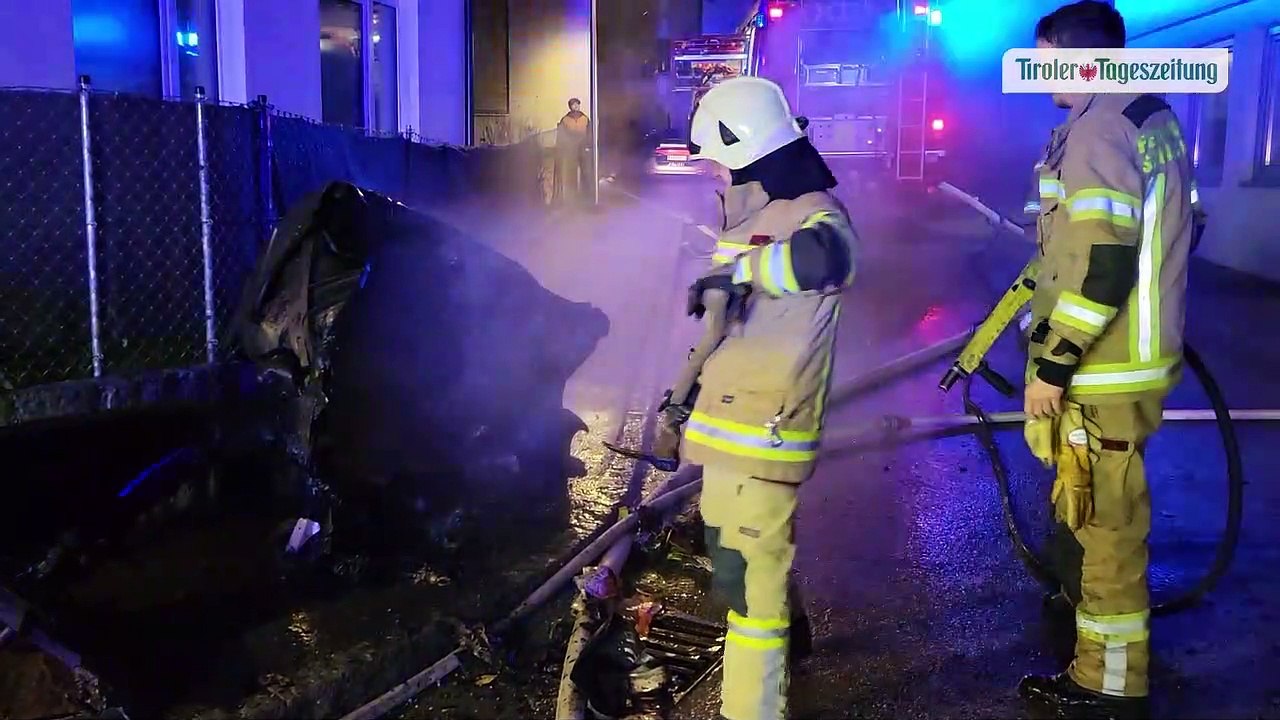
[573,142]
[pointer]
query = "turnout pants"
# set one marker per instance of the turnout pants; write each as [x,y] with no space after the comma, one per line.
[1108,556]
[750,535]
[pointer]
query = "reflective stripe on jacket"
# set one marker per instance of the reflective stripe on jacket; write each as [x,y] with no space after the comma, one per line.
[728,250]
[761,404]
[1114,232]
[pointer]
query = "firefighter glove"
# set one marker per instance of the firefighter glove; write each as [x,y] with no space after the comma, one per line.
[1072,495]
[719,281]
[666,444]
[671,420]
[671,415]
[1041,437]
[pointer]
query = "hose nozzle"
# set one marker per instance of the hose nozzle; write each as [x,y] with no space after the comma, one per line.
[957,373]
[953,375]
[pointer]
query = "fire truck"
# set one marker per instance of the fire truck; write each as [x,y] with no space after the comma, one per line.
[863,73]
[694,67]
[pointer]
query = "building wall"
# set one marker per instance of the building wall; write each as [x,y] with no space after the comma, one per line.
[1008,131]
[550,60]
[630,101]
[270,47]
[232,78]
[282,60]
[1243,212]
[42,54]
[442,70]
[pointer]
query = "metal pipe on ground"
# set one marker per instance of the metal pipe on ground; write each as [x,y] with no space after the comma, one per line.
[873,379]
[1017,418]
[676,489]
[992,216]
[893,425]
[570,704]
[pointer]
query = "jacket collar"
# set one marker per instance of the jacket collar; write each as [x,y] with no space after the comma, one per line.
[740,202]
[1081,108]
[1106,102]
[1096,102]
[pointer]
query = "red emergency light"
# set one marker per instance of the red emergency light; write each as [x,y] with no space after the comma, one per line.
[938,124]
[775,12]
[922,9]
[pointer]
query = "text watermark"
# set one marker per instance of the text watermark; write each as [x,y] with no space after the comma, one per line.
[1116,70]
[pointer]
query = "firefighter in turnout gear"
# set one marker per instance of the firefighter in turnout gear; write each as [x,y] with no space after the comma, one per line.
[1115,229]
[755,422]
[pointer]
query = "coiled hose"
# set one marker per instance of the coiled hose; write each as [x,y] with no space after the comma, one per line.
[1043,572]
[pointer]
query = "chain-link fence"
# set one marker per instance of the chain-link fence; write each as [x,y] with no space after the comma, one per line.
[130,224]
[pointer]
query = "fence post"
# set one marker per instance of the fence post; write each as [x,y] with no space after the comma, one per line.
[90,229]
[407,138]
[206,230]
[266,157]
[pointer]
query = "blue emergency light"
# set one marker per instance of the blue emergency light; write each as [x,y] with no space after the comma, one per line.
[935,18]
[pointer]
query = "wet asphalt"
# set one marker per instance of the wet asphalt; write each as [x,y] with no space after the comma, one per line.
[920,606]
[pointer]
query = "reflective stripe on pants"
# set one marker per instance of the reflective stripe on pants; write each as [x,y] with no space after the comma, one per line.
[1112,645]
[1122,641]
[755,668]
[755,519]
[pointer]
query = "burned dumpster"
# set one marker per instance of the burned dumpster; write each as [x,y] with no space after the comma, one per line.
[404,378]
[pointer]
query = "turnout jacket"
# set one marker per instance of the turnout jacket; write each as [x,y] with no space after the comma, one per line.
[762,399]
[1114,231]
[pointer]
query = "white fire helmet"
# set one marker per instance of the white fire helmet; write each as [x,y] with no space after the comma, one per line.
[740,121]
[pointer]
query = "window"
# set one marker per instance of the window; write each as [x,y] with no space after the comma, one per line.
[194,33]
[341,62]
[385,90]
[118,45]
[1268,144]
[1207,119]
[490,57]
[358,74]
[156,48]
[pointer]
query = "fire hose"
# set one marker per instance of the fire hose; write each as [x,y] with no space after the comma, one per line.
[670,494]
[976,343]
[1225,551]
[971,363]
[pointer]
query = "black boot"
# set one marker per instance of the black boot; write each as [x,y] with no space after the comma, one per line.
[1067,699]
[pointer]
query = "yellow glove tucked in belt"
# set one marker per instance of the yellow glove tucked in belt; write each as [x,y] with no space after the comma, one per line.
[1041,435]
[1072,496]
